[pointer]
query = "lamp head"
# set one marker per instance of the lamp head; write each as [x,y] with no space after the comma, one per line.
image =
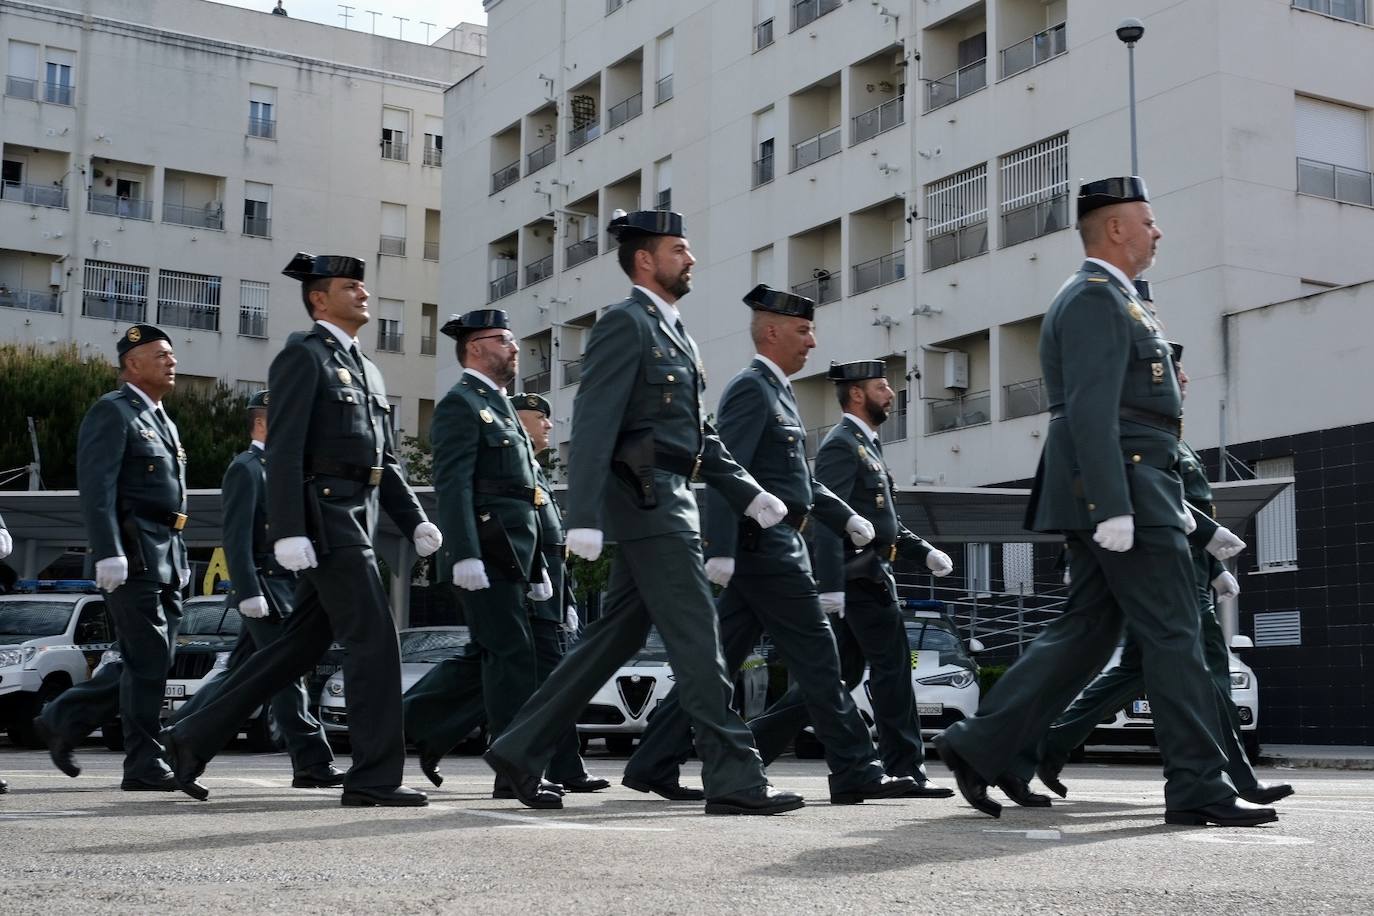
[1130,31]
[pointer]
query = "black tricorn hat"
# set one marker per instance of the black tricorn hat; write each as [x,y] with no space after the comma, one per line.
[859,371]
[765,298]
[476,320]
[649,222]
[1143,290]
[138,335]
[531,402]
[258,400]
[306,267]
[1107,191]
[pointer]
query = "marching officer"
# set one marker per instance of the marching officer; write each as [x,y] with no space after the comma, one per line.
[262,592]
[766,575]
[330,462]
[131,471]
[6,545]
[858,587]
[638,440]
[1108,480]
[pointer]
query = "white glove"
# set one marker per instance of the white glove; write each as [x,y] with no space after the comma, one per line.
[111,572]
[720,569]
[253,607]
[833,603]
[1226,586]
[1068,576]
[1190,523]
[585,542]
[1116,534]
[1224,545]
[183,578]
[6,543]
[470,574]
[571,622]
[859,529]
[767,510]
[542,591]
[939,563]
[295,554]
[428,539]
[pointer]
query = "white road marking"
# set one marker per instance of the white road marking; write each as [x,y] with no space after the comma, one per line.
[34,815]
[1030,834]
[1247,839]
[525,822]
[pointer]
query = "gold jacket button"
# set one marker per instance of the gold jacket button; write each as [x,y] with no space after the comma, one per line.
[1136,459]
[150,467]
[671,377]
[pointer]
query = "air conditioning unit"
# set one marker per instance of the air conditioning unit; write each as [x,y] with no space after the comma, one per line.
[956,369]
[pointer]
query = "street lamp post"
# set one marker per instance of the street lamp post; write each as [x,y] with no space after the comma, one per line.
[1130,31]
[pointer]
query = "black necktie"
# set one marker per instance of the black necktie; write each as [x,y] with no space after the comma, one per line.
[358,361]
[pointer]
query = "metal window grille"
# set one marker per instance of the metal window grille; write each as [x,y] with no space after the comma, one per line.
[396,149]
[824,287]
[263,128]
[389,337]
[1279,629]
[664,200]
[763,34]
[118,292]
[956,217]
[187,300]
[253,308]
[578,252]
[663,89]
[392,245]
[17,87]
[1276,525]
[1035,190]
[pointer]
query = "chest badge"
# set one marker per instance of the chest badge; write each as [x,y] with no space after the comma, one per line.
[147,434]
[345,376]
[486,416]
[880,501]
[539,499]
[863,453]
[1157,373]
[181,454]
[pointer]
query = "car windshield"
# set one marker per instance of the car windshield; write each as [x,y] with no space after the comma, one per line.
[423,645]
[208,618]
[935,639]
[34,618]
[653,651]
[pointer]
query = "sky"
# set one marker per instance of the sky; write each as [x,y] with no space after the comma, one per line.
[443,13]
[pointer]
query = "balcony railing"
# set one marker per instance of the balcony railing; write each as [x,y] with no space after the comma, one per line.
[259,226]
[763,170]
[956,413]
[1353,10]
[17,87]
[823,145]
[126,207]
[434,156]
[40,195]
[578,252]
[1021,399]
[59,93]
[877,120]
[117,307]
[431,251]
[428,344]
[581,136]
[961,244]
[194,315]
[1035,50]
[954,86]
[821,289]
[663,89]
[1323,179]
[33,300]
[502,286]
[539,383]
[804,12]
[879,272]
[505,176]
[540,269]
[1036,219]
[395,149]
[572,372]
[894,429]
[664,199]
[541,157]
[624,111]
[208,216]
[391,244]
[252,323]
[763,34]
[263,128]
[389,341]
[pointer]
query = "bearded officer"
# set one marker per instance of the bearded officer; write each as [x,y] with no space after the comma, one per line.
[131,471]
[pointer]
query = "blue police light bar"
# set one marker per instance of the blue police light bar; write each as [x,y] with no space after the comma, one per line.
[923,604]
[55,585]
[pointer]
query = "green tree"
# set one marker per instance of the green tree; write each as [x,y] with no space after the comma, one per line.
[213,427]
[418,459]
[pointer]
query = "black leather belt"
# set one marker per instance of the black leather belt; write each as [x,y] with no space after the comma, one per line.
[174,520]
[1159,421]
[678,463]
[797,519]
[533,495]
[354,472]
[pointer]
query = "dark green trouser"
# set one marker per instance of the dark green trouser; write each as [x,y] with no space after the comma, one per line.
[1150,587]
[871,632]
[658,580]
[147,616]
[500,627]
[787,607]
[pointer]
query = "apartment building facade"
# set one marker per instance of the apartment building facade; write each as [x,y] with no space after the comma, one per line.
[163,159]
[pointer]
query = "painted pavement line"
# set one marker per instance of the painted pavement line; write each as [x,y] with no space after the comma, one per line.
[525,821]
[1029,834]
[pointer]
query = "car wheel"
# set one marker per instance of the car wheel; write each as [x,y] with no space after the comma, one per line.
[263,733]
[806,747]
[1252,745]
[21,729]
[620,745]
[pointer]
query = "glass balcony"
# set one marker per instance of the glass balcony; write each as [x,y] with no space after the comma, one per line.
[125,207]
[263,128]
[956,413]
[540,269]
[1035,219]
[433,156]
[208,216]
[428,344]
[32,300]
[763,170]
[59,93]
[812,150]
[116,307]
[16,87]
[258,226]
[821,289]
[583,135]
[1323,179]
[505,176]
[39,195]
[627,110]
[195,315]
[961,244]
[541,157]
[875,121]
[539,383]
[1022,399]
[763,34]
[1034,51]
[578,252]
[394,149]
[954,86]
[390,341]
[879,272]
[572,372]
[431,251]
[663,89]
[1353,10]
[502,286]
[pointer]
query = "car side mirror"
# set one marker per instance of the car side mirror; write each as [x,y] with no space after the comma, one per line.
[975,645]
[1240,641]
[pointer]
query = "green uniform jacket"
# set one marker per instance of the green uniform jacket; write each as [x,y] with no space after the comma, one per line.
[322,410]
[640,377]
[761,425]
[480,448]
[1198,491]
[247,542]
[131,472]
[551,543]
[849,465]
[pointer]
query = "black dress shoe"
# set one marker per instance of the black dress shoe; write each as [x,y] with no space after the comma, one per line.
[429,765]
[501,789]
[883,787]
[758,800]
[673,791]
[186,769]
[526,787]
[585,783]
[1267,795]
[926,789]
[1048,775]
[1234,813]
[399,797]
[322,776]
[1019,791]
[166,784]
[971,785]
[58,748]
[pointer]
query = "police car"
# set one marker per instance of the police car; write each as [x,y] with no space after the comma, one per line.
[620,711]
[52,636]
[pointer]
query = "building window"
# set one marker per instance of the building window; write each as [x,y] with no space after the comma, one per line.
[187,300]
[118,292]
[1333,151]
[434,141]
[978,569]
[957,217]
[663,184]
[765,136]
[763,24]
[969,76]
[246,388]
[613,5]
[429,324]
[57,77]
[394,402]
[257,209]
[1276,525]
[1035,190]
[20,83]
[393,238]
[390,325]
[262,107]
[395,131]
[1353,10]
[663,88]
[805,12]
[252,308]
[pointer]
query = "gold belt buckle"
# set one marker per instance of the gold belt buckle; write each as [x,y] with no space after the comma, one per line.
[806,520]
[539,498]
[375,477]
[696,466]
[892,554]
[180,522]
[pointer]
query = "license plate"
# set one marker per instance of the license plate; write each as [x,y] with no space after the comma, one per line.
[1140,707]
[175,691]
[930,709]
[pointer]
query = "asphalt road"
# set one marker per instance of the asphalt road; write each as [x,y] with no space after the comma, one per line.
[81,846]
